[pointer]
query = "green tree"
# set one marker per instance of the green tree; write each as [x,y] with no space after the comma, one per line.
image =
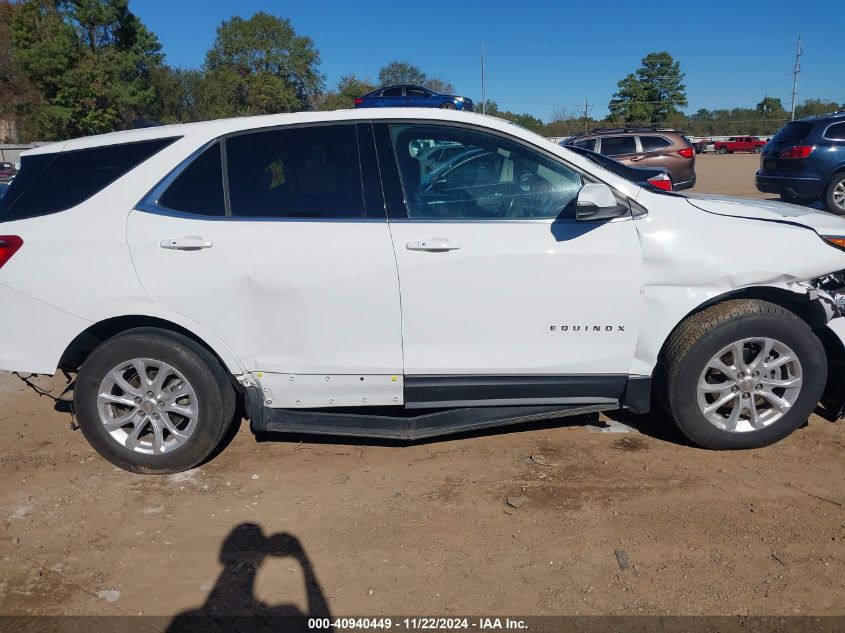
[260,66]
[92,60]
[396,73]
[652,95]
[815,107]
[343,96]
[526,120]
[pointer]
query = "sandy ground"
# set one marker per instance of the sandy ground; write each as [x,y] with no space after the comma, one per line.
[355,528]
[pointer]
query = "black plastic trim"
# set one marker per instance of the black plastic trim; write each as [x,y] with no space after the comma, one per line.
[423,391]
[637,397]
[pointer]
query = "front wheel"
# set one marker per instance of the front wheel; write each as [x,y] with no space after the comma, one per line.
[741,374]
[153,401]
[447,106]
[834,197]
[723,150]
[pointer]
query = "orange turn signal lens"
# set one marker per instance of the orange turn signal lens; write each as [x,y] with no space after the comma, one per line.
[835,240]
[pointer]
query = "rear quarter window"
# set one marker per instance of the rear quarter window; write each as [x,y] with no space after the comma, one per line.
[654,143]
[836,132]
[50,183]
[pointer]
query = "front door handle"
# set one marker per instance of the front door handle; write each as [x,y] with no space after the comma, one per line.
[186,244]
[434,245]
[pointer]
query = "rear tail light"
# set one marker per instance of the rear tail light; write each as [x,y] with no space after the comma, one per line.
[687,152]
[358,101]
[798,151]
[9,245]
[661,181]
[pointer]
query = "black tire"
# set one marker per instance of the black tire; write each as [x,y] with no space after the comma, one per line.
[758,150]
[697,339]
[723,150]
[830,204]
[448,105]
[210,381]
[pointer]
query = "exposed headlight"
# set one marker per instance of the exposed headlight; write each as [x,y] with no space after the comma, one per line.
[460,99]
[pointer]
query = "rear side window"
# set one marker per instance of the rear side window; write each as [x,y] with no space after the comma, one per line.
[49,183]
[836,132]
[199,188]
[416,92]
[311,172]
[616,145]
[392,92]
[793,132]
[654,143]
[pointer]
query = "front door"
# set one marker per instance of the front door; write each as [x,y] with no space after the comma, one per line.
[497,277]
[295,273]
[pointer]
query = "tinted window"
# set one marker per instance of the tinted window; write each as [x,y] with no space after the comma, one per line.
[836,132]
[615,145]
[654,143]
[392,92]
[199,188]
[793,132]
[489,177]
[416,92]
[311,172]
[49,183]
[589,144]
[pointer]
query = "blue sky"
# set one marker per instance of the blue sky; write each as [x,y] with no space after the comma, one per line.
[547,55]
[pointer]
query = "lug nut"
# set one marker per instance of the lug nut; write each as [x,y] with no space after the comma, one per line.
[745,395]
[759,387]
[740,375]
[734,388]
[755,374]
[138,400]
[150,394]
[156,416]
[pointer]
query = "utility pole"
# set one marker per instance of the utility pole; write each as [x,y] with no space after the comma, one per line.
[483,96]
[586,110]
[795,72]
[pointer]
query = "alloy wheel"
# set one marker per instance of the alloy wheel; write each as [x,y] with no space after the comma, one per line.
[147,406]
[749,384]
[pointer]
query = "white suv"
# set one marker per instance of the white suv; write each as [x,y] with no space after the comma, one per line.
[306,266]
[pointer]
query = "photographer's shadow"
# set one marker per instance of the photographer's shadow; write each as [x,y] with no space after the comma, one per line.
[232,604]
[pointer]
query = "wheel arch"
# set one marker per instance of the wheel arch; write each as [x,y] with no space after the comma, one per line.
[86,341]
[803,306]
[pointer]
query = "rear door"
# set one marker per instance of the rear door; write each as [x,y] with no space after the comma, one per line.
[503,292]
[621,148]
[288,261]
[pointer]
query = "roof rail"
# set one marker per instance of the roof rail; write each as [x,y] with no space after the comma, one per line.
[631,128]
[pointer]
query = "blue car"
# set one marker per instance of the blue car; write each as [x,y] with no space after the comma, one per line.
[805,162]
[412,97]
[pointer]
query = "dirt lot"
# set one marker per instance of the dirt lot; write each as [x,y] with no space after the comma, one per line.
[358,528]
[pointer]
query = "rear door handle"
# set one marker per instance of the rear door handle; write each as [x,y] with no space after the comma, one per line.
[434,245]
[186,244]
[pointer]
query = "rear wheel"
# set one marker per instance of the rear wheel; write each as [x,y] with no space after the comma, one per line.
[834,197]
[758,149]
[741,374]
[153,401]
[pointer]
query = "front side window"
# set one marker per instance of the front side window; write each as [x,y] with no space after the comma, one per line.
[198,189]
[309,172]
[654,143]
[50,183]
[616,145]
[487,178]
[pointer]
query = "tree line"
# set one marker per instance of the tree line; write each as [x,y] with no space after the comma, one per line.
[71,68]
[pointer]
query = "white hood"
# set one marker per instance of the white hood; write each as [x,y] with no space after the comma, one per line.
[820,221]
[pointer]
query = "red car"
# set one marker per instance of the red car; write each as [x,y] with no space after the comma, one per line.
[7,171]
[739,144]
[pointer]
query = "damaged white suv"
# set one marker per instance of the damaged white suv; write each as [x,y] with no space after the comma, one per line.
[309,271]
